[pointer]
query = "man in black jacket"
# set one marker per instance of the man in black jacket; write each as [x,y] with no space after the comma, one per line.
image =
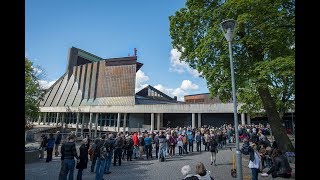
[68,153]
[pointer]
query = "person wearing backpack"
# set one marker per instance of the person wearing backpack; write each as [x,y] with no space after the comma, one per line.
[49,147]
[110,143]
[118,150]
[93,156]
[129,148]
[213,149]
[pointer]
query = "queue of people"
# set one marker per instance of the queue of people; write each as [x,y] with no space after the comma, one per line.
[140,145]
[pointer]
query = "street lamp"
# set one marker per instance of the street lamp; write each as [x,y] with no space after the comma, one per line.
[228,27]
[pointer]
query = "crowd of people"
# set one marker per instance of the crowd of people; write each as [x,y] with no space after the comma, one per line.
[113,148]
[262,154]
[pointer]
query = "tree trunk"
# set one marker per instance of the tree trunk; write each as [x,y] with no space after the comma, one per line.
[278,131]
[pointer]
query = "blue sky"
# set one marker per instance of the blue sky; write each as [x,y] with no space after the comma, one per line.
[109,29]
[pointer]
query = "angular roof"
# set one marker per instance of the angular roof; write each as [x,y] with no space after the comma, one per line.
[151,95]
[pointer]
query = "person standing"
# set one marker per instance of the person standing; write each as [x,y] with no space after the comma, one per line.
[254,162]
[68,153]
[101,161]
[180,144]
[57,143]
[42,145]
[213,149]
[109,143]
[129,148]
[135,139]
[162,145]
[49,147]
[156,142]
[141,144]
[118,150]
[148,146]
[172,145]
[185,143]
[198,141]
[82,164]
[93,156]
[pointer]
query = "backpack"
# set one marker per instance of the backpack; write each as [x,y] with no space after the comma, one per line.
[213,144]
[104,150]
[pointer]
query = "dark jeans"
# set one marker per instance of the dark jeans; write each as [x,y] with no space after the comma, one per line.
[148,149]
[79,175]
[172,150]
[117,155]
[61,171]
[254,174]
[129,155]
[94,160]
[49,154]
[100,166]
[185,148]
[206,146]
[180,150]
[69,165]
[191,146]
[157,151]
[199,146]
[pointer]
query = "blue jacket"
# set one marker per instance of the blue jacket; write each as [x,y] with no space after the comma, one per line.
[50,143]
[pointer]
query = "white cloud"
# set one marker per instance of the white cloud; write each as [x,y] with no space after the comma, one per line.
[167,91]
[187,84]
[180,67]
[141,78]
[185,88]
[46,84]
[37,70]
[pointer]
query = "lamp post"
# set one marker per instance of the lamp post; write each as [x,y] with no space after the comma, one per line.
[228,27]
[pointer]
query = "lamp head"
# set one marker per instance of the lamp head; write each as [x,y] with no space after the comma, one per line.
[228,27]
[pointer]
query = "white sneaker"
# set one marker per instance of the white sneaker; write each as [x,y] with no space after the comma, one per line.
[264,174]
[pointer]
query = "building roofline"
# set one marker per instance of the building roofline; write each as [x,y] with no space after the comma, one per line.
[196,94]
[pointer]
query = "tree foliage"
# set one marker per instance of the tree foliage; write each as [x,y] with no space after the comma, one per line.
[33,90]
[263,49]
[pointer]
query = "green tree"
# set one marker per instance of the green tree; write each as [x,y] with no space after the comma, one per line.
[33,90]
[263,47]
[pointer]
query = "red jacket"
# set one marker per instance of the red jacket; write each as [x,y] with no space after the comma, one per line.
[135,139]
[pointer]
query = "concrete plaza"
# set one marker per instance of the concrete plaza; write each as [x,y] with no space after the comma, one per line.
[151,169]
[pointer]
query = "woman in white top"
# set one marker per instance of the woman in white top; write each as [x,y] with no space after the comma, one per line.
[254,163]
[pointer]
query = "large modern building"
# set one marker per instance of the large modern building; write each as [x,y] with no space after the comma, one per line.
[97,94]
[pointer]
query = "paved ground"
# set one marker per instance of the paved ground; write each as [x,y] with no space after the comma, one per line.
[149,169]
